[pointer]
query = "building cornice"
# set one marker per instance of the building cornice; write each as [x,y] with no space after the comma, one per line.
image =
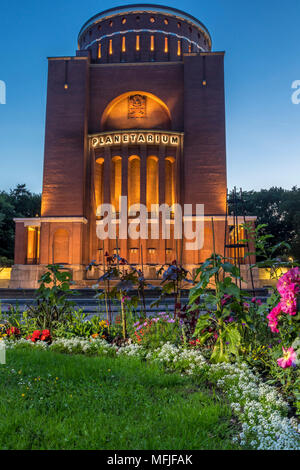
[36,221]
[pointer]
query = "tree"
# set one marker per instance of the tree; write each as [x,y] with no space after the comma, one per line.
[278,208]
[18,202]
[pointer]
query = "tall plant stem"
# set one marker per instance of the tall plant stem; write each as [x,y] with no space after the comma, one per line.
[219,305]
[143,290]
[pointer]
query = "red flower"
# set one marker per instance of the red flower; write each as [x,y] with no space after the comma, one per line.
[45,336]
[13,331]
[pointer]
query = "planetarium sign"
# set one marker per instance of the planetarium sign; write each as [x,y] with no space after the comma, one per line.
[135,137]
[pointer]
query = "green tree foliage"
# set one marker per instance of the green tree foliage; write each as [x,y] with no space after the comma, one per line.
[278,208]
[18,202]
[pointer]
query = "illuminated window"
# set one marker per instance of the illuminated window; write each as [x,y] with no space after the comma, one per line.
[116,182]
[178,25]
[99,50]
[151,251]
[137,42]
[134,178]
[152,20]
[111,23]
[33,245]
[123,20]
[110,47]
[166,21]
[190,47]
[152,182]
[166,45]
[179,48]
[123,44]
[152,43]
[99,167]
[170,181]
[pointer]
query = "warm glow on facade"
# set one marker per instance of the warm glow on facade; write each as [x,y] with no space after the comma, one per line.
[152,182]
[152,43]
[134,180]
[137,42]
[170,181]
[127,117]
[116,183]
[33,244]
[99,166]
[123,44]
[166,45]
[179,48]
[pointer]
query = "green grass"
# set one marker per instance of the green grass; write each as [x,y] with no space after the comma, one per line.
[54,401]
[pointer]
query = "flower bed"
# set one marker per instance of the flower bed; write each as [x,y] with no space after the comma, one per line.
[259,407]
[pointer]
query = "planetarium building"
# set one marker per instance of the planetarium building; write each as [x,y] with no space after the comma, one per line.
[138,111]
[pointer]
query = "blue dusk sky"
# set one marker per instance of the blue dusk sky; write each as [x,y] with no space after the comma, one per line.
[261,39]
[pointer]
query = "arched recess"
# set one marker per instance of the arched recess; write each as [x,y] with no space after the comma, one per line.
[61,242]
[116,182]
[152,196]
[136,110]
[134,180]
[99,166]
[170,181]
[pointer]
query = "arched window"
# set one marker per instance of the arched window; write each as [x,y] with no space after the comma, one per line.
[166,45]
[134,180]
[152,182]
[99,166]
[123,44]
[152,47]
[33,245]
[137,42]
[116,182]
[61,247]
[170,181]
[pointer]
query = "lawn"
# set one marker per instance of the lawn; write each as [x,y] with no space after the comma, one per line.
[54,401]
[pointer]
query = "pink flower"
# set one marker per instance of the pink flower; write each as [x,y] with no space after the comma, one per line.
[288,359]
[285,282]
[226,298]
[289,303]
[273,318]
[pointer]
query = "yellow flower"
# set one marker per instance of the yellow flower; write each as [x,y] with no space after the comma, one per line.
[23,395]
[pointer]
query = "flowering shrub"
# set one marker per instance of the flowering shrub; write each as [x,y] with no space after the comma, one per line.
[151,332]
[284,318]
[13,332]
[38,335]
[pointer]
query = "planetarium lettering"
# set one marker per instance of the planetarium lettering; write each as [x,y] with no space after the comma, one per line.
[135,138]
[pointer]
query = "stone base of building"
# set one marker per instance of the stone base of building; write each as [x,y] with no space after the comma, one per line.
[27,276]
